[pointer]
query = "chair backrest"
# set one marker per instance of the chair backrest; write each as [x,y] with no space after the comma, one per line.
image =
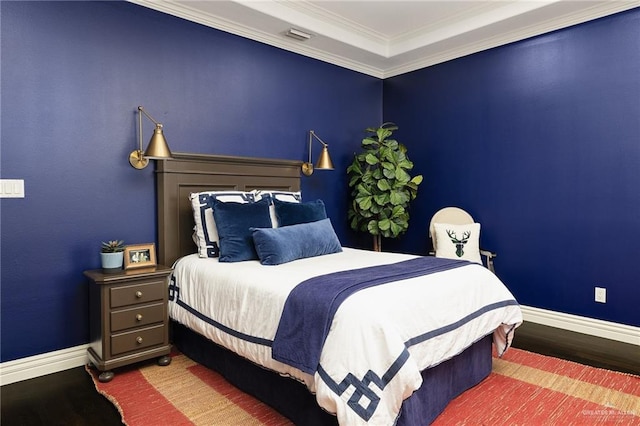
[452,215]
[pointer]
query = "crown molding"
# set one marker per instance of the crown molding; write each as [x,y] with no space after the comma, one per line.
[598,11]
[368,52]
[184,11]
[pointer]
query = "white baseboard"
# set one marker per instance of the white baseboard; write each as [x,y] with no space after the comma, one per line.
[43,364]
[52,362]
[593,327]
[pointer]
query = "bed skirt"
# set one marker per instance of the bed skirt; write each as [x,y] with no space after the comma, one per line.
[291,398]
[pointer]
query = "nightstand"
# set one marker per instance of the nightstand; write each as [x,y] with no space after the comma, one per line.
[128,318]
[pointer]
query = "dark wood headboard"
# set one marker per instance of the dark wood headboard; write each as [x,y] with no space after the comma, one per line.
[176,179]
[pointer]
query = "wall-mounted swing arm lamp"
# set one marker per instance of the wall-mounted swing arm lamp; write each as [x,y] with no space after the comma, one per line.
[158,148]
[324,163]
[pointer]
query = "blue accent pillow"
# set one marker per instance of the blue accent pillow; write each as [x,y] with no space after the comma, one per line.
[281,245]
[206,233]
[271,194]
[234,222]
[295,213]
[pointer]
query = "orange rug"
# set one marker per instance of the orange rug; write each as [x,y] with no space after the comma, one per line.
[523,389]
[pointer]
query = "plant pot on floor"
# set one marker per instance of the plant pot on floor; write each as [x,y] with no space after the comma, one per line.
[112,260]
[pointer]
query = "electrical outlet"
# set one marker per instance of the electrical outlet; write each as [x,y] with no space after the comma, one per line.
[601,294]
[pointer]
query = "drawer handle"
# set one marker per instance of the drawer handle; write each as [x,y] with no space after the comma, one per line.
[138,294]
[139,317]
[139,339]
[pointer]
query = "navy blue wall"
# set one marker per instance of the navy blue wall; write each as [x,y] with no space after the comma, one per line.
[73,74]
[540,141]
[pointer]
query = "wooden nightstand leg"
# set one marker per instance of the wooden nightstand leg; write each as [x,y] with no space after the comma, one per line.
[106,376]
[164,360]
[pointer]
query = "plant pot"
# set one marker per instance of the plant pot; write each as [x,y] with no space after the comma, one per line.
[112,260]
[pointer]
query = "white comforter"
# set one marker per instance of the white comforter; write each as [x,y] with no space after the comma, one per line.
[240,305]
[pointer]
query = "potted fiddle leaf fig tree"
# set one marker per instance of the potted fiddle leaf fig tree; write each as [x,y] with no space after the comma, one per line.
[381,187]
[112,254]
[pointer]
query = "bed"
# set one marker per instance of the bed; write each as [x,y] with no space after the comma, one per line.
[368,376]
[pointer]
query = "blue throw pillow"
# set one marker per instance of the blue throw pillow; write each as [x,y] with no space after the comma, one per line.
[295,213]
[280,245]
[234,222]
[206,233]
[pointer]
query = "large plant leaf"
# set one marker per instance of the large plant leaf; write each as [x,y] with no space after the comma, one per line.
[371,159]
[398,212]
[372,227]
[402,176]
[389,173]
[383,185]
[405,164]
[382,198]
[364,190]
[354,167]
[383,133]
[399,228]
[368,178]
[398,197]
[365,202]
[384,224]
[391,144]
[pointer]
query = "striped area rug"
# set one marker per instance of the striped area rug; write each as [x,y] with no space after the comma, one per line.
[523,389]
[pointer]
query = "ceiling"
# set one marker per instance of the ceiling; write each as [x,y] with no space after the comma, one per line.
[387,38]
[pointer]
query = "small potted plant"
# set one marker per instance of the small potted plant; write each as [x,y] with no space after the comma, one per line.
[112,254]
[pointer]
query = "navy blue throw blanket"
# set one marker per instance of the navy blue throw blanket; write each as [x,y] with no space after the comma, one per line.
[311,305]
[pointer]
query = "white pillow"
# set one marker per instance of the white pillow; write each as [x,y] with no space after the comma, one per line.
[458,241]
[287,196]
[206,233]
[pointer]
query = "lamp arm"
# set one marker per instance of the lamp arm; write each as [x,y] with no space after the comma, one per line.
[312,133]
[140,147]
[142,110]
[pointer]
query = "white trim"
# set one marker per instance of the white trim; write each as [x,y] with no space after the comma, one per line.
[593,327]
[365,52]
[53,362]
[43,364]
[599,10]
[183,11]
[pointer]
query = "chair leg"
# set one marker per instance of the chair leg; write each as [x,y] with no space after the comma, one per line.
[490,264]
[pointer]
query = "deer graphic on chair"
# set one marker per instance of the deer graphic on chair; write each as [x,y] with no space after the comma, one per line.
[452,221]
[459,242]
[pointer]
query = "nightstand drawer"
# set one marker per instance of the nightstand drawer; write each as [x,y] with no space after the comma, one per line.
[137,339]
[137,316]
[141,293]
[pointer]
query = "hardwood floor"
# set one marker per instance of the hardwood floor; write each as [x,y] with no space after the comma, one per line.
[582,348]
[69,397]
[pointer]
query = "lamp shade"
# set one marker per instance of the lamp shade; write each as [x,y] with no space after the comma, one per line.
[158,148]
[324,162]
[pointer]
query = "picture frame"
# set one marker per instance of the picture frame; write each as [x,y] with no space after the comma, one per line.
[139,256]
